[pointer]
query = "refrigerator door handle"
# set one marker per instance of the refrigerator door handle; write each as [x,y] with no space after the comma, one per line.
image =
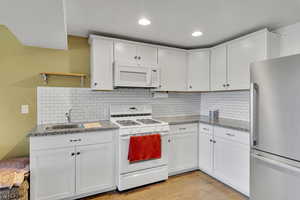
[253,98]
[277,163]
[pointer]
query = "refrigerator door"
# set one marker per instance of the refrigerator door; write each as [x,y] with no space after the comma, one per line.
[275,106]
[274,178]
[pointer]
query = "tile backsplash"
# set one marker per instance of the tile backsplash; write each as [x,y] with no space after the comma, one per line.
[234,105]
[88,105]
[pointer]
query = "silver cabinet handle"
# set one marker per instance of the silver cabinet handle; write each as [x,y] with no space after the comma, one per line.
[230,134]
[253,97]
[77,140]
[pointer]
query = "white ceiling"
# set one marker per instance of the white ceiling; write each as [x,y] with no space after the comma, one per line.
[173,21]
[39,23]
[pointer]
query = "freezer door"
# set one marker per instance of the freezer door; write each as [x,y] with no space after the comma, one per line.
[274,178]
[275,106]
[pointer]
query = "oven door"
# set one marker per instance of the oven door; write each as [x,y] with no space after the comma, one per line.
[126,166]
[132,76]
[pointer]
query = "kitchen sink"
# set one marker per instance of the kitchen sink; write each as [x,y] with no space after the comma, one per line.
[63,126]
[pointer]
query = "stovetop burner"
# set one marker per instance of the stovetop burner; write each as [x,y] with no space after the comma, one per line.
[148,121]
[127,122]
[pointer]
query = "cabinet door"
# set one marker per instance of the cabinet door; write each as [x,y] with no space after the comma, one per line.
[183,152]
[52,174]
[198,71]
[94,168]
[173,65]
[147,56]
[205,152]
[218,77]
[102,64]
[231,163]
[240,54]
[126,53]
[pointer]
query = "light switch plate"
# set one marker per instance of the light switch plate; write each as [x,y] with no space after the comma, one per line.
[24,109]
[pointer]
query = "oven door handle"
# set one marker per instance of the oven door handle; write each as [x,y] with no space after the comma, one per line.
[125,137]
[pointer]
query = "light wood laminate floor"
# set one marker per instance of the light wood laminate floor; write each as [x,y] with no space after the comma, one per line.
[189,186]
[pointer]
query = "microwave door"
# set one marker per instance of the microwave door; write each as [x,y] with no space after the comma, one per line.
[132,76]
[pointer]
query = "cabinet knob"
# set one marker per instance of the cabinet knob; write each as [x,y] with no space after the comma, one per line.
[211,140]
[159,86]
[95,83]
[191,87]
[72,154]
[227,84]
[135,57]
[169,140]
[78,153]
[224,85]
[139,57]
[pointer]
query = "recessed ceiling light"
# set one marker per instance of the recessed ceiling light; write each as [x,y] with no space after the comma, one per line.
[197,33]
[144,22]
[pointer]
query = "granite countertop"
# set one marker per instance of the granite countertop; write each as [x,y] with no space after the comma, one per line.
[222,122]
[41,130]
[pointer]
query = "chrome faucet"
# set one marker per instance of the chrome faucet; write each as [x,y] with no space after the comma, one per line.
[68,115]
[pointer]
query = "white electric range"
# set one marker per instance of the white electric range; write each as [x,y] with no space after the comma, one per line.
[137,120]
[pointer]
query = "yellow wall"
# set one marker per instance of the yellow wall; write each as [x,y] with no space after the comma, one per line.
[19,77]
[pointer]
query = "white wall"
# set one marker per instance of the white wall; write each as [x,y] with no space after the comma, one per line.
[289,40]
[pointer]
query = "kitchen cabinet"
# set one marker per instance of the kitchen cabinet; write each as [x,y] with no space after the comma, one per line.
[205,148]
[230,62]
[132,54]
[198,70]
[52,173]
[102,58]
[183,148]
[64,166]
[225,154]
[173,64]
[218,76]
[94,163]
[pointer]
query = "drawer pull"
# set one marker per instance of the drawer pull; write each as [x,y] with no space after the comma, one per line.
[78,140]
[229,134]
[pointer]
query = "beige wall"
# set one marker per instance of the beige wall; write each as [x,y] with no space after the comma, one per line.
[19,76]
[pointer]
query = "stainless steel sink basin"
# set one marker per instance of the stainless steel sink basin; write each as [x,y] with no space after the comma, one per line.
[63,126]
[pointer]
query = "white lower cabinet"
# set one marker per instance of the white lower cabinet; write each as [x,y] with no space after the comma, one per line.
[205,152]
[225,155]
[71,166]
[183,148]
[94,167]
[52,174]
[231,163]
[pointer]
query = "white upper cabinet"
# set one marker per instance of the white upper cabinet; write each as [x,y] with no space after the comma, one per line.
[126,53]
[102,58]
[147,56]
[218,76]
[230,62]
[173,64]
[198,70]
[240,54]
[135,55]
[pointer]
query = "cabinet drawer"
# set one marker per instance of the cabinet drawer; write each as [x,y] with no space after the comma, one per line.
[206,128]
[183,128]
[235,135]
[57,141]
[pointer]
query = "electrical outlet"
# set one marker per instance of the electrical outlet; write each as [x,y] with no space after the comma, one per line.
[24,109]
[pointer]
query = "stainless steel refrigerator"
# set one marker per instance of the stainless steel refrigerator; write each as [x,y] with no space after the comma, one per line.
[275,129]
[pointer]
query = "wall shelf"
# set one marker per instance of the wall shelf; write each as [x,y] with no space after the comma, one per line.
[45,76]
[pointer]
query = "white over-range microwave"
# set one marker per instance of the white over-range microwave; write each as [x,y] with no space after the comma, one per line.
[136,76]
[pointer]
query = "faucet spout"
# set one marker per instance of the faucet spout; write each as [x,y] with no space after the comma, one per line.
[68,115]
